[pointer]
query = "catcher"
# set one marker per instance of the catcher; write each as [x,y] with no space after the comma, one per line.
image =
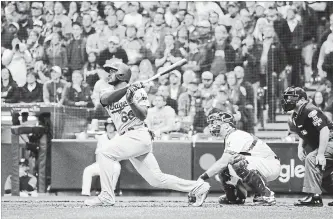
[247,163]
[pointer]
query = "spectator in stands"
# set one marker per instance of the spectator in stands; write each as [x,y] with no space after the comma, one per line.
[294,51]
[115,29]
[281,27]
[194,57]
[53,89]
[260,8]
[101,85]
[176,88]
[16,61]
[76,50]
[232,16]
[32,91]
[73,12]
[161,118]
[35,48]
[154,35]
[132,45]
[146,68]
[318,100]
[77,93]
[90,70]
[214,19]
[65,21]
[9,89]
[204,31]
[221,101]
[325,66]
[206,87]
[87,26]
[189,22]
[164,91]
[43,72]
[237,96]
[120,16]
[237,29]
[233,54]
[9,34]
[187,102]
[56,54]
[168,52]
[248,21]
[188,76]
[310,23]
[98,41]
[219,81]
[258,32]
[109,9]
[48,6]
[37,12]
[133,17]
[48,26]
[27,181]
[114,52]
[218,57]
[247,90]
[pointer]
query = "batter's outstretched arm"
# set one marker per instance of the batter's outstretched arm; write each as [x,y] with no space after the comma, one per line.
[139,111]
[112,96]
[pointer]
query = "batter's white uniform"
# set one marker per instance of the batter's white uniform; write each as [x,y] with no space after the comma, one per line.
[94,170]
[262,157]
[133,143]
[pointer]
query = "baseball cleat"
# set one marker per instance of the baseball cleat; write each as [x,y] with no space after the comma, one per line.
[200,193]
[223,200]
[266,200]
[96,201]
[330,204]
[310,201]
[257,198]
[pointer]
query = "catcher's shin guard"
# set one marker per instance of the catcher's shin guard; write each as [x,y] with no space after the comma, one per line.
[233,194]
[250,177]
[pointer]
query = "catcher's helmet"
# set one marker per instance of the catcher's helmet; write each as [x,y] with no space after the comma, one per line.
[216,118]
[107,122]
[122,72]
[290,97]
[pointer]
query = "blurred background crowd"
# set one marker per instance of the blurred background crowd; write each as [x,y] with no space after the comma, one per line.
[241,55]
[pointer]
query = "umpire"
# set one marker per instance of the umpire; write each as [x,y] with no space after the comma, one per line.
[313,128]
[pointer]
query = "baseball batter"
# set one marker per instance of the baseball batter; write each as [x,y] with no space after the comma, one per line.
[127,106]
[246,162]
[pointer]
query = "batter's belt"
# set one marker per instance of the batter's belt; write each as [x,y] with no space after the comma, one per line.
[152,135]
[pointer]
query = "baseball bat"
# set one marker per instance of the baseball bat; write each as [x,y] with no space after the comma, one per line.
[167,70]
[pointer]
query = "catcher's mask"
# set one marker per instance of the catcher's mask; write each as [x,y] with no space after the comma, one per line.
[291,96]
[216,119]
[118,72]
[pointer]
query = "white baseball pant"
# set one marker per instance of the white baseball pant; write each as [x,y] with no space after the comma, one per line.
[135,145]
[94,170]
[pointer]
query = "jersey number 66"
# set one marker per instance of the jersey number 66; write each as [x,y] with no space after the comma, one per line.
[127,116]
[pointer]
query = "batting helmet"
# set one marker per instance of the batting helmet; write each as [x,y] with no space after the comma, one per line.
[122,71]
[107,122]
[290,97]
[216,118]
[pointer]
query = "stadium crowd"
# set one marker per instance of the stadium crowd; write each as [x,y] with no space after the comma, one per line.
[54,52]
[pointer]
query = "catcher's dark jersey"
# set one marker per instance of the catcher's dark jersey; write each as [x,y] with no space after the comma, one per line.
[308,123]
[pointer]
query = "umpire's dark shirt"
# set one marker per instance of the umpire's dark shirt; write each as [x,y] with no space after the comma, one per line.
[309,121]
